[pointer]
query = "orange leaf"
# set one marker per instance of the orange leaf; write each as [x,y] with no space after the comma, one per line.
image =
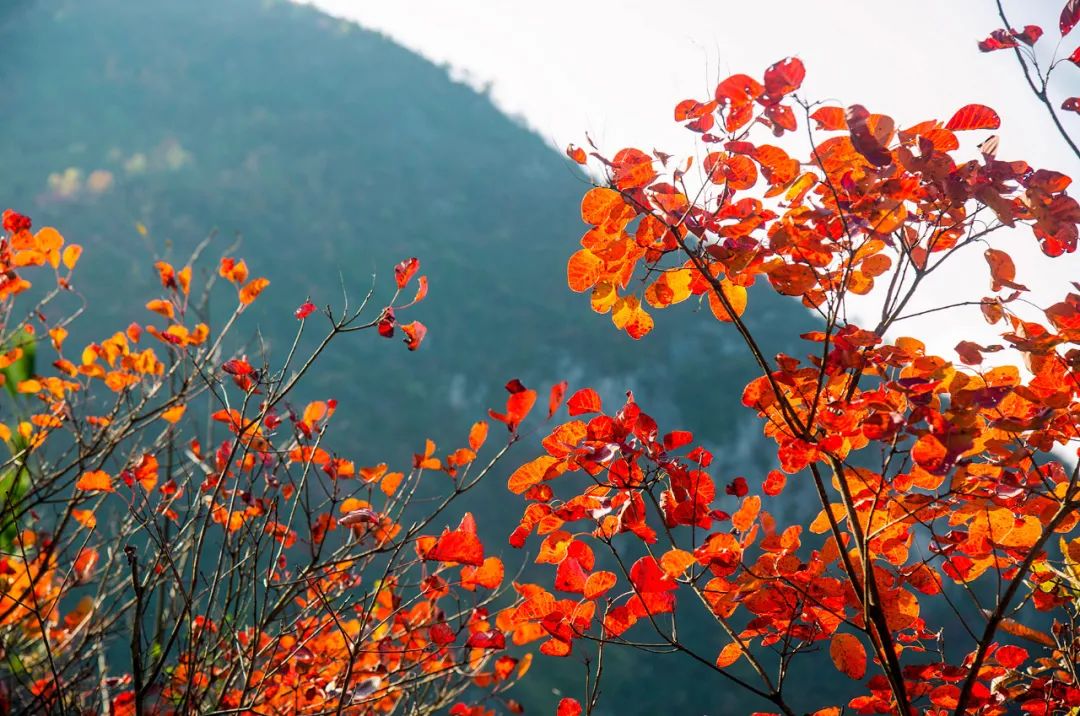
[488,575]
[576,153]
[1002,270]
[86,518]
[252,290]
[830,119]
[632,168]
[598,583]
[848,654]
[173,414]
[165,308]
[529,474]
[95,480]
[390,482]
[477,435]
[235,271]
[728,655]
[414,334]
[744,518]
[583,270]
[601,205]
[674,562]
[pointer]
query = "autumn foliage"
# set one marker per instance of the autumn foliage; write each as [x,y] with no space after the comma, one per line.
[173,500]
[940,571]
[154,562]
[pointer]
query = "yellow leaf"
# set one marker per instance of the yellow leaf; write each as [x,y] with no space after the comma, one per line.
[604,296]
[173,414]
[71,255]
[28,386]
[735,295]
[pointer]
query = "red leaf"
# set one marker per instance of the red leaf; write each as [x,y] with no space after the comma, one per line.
[1011,656]
[405,270]
[387,323]
[863,138]
[585,400]
[14,222]
[1030,35]
[998,40]
[737,487]
[974,116]
[414,334]
[305,310]
[774,483]
[784,77]
[677,439]
[568,707]
[1070,14]
[558,391]
[576,153]
[518,405]
[570,576]
[459,546]
[421,290]
[1072,104]
[1075,57]
[738,90]
[237,366]
[442,634]
[648,576]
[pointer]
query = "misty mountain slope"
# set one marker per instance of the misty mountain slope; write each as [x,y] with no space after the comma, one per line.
[335,154]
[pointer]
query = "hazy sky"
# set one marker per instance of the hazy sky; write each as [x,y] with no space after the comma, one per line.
[616,70]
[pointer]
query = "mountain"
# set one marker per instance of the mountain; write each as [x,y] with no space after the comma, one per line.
[334,154]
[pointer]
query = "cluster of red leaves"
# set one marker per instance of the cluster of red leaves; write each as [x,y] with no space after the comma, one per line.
[348,638]
[370,657]
[1022,41]
[415,331]
[871,182]
[967,460]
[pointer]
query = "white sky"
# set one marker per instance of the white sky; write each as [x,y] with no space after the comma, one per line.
[617,69]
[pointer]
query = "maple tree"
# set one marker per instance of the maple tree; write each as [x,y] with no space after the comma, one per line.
[941,572]
[171,504]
